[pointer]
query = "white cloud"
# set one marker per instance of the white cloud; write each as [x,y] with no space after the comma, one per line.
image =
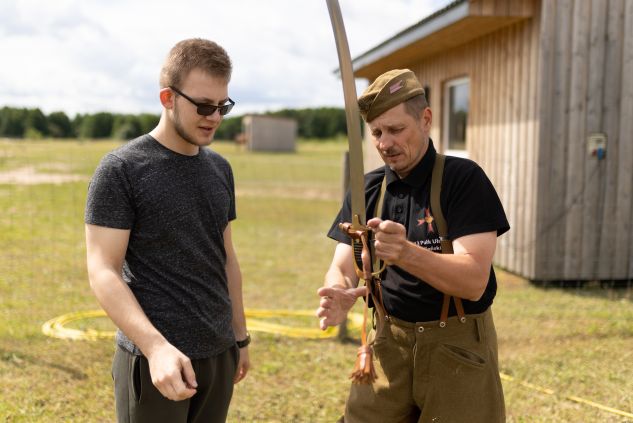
[88,56]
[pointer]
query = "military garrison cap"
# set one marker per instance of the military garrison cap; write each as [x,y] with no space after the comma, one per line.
[388,90]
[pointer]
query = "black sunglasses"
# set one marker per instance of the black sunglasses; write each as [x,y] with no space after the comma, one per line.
[206,109]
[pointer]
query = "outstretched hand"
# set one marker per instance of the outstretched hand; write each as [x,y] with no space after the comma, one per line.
[336,303]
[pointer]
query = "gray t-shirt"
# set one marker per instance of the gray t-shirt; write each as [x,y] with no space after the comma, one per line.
[177,208]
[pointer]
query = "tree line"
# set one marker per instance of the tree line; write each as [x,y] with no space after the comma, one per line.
[316,123]
[34,124]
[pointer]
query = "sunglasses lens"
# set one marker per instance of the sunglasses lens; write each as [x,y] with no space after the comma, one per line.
[209,109]
[206,109]
[225,109]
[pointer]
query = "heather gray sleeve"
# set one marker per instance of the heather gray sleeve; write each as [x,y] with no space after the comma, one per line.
[226,175]
[109,201]
[232,212]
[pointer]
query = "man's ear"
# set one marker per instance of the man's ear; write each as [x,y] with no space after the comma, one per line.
[427,118]
[166,98]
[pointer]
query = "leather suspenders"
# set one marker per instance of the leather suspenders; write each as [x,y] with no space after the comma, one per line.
[442,227]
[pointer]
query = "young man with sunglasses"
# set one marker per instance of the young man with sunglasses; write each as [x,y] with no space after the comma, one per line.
[161,260]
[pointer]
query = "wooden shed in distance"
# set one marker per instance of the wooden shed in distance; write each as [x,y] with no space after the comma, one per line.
[269,133]
[540,94]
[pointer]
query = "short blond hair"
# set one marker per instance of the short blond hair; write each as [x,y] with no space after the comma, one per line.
[195,53]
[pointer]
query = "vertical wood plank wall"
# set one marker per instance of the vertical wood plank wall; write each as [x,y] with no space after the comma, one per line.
[624,239]
[611,111]
[538,89]
[593,180]
[555,53]
[587,63]
[502,126]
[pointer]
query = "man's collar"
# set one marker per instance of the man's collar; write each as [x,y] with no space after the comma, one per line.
[420,173]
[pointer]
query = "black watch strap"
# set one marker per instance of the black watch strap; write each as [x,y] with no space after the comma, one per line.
[244,342]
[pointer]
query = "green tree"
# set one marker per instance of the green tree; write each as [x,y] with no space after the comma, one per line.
[98,125]
[229,128]
[148,122]
[59,125]
[77,123]
[36,122]
[126,127]
[321,123]
[12,122]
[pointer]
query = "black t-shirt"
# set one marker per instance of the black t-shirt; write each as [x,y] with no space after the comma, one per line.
[470,205]
[177,208]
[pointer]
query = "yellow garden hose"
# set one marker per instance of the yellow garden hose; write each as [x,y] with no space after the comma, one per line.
[567,397]
[255,321]
[57,327]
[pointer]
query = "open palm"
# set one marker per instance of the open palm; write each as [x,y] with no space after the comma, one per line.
[336,303]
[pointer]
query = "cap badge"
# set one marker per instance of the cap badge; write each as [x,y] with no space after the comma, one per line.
[395,87]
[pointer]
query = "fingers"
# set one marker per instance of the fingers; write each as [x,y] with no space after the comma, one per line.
[374,223]
[239,375]
[243,366]
[322,312]
[172,373]
[188,374]
[329,294]
[358,292]
[326,318]
[179,391]
[323,324]
[335,304]
[327,291]
[390,239]
[327,321]
[386,226]
[326,302]
[330,298]
[174,388]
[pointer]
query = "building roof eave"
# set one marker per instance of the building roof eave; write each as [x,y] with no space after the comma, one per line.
[454,25]
[445,17]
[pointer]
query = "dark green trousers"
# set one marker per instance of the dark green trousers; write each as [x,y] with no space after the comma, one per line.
[431,374]
[138,400]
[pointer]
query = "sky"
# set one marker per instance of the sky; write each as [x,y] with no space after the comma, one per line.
[87,56]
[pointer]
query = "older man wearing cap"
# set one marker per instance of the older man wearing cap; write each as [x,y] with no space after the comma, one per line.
[434,340]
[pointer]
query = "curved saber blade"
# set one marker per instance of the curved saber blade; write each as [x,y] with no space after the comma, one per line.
[356,172]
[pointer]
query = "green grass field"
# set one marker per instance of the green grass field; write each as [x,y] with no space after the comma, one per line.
[575,342]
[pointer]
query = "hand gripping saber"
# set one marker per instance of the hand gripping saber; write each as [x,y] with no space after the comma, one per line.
[357,230]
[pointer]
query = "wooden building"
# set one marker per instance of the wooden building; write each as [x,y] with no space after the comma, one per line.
[269,133]
[540,94]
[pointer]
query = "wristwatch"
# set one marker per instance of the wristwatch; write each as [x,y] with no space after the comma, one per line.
[244,342]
